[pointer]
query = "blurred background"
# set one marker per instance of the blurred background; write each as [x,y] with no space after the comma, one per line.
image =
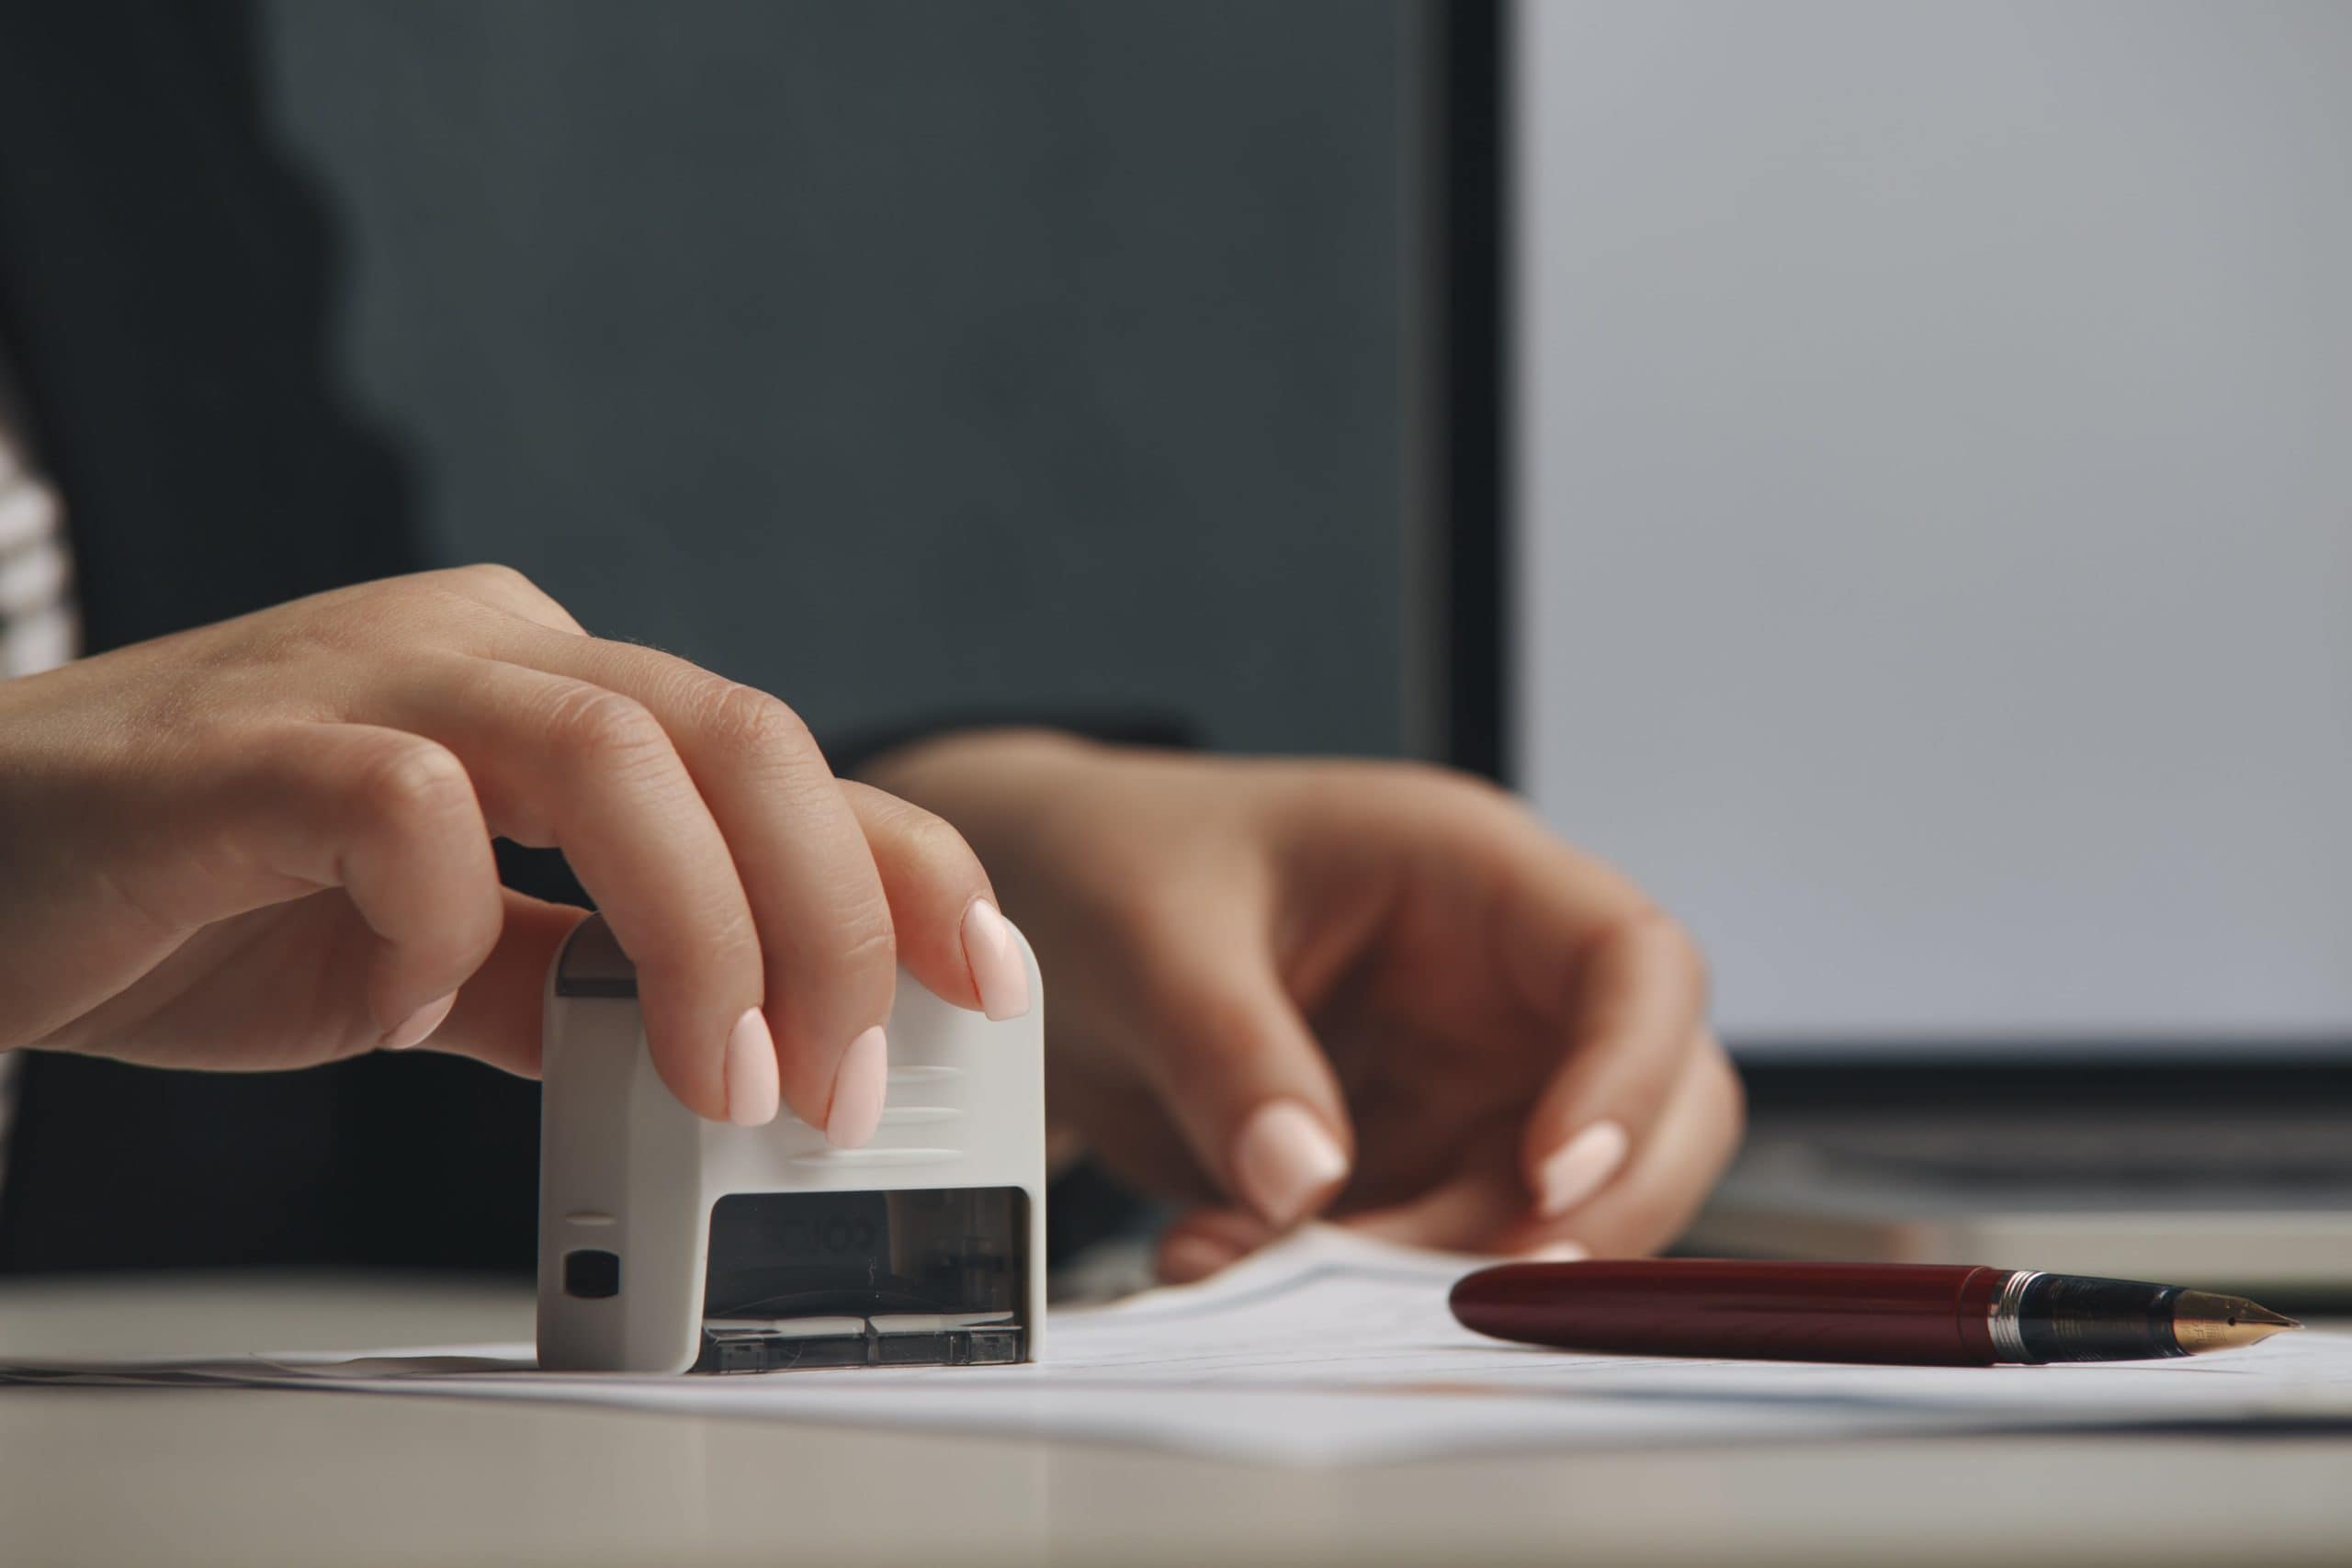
[1875,469]
[1936,506]
[1879,471]
[903,357]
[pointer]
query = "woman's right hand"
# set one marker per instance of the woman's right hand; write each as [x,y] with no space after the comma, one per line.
[267,843]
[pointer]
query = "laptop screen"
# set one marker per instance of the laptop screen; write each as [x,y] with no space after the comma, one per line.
[1932,506]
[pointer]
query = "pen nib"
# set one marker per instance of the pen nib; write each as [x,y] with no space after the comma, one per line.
[2202,1321]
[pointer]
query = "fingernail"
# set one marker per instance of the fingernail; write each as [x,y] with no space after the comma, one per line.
[418,1027]
[1557,1252]
[858,1086]
[1284,1159]
[1577,1170]
[998,972]
[753,1090]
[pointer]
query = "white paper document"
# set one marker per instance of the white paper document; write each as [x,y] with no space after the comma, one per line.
[1332,1350]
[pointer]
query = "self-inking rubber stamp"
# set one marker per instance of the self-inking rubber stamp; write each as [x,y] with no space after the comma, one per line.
[672,1243]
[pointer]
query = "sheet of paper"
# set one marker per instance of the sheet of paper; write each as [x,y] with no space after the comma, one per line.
[1331,1349]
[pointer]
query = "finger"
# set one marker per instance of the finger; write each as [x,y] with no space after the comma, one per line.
[824,928]
[1646,1207]
[500,1009]
[1470,1211]
[950,935]
[1638,998]
[1245,1079]
[1208,1241]
[563,762]
[391,818]
[1484,1206]
[1586,972]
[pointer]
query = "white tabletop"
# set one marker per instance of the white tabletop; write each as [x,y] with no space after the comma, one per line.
[253,1477]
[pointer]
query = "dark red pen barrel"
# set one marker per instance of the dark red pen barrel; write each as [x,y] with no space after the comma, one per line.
[1912,1314]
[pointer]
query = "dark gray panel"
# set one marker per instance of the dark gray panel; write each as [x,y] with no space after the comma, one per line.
[901,357]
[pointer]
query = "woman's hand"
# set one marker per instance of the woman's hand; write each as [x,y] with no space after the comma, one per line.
[267,844]
[1283,987]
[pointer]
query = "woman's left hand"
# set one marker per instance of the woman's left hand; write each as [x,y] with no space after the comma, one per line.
[1381,991]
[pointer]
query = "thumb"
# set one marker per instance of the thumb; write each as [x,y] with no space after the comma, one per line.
[1252,1091]
[497,1015]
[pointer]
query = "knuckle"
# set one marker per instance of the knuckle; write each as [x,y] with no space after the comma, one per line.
[402,595]
[1673,943]
[604,728]
[415,782]
[760,731]
[498,580]
[497,577]
[469,596]
[704,943]
[1434,779]
[1419,793]
[932,844]
[866,939]
[428,608]
[853,946]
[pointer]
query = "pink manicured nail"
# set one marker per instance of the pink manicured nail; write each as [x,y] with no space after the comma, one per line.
[998,972]
[859,1085]
[1557,1252]
[753,1090]
[1284,1159]
[418,1027]
[1576,1170]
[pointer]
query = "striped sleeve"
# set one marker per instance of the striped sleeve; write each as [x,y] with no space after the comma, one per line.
[38,629]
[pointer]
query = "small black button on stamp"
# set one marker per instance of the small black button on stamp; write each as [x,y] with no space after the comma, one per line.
[592,1275]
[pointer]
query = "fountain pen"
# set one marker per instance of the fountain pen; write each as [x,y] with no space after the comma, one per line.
[1901,1313]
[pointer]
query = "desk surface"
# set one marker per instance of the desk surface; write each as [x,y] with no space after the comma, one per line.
[253,1477]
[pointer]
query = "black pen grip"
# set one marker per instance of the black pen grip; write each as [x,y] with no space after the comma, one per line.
[2071,1317]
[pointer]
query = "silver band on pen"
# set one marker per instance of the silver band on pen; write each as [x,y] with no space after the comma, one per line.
[2004,1319]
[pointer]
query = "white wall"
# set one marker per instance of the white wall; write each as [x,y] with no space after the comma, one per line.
[1936,496]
